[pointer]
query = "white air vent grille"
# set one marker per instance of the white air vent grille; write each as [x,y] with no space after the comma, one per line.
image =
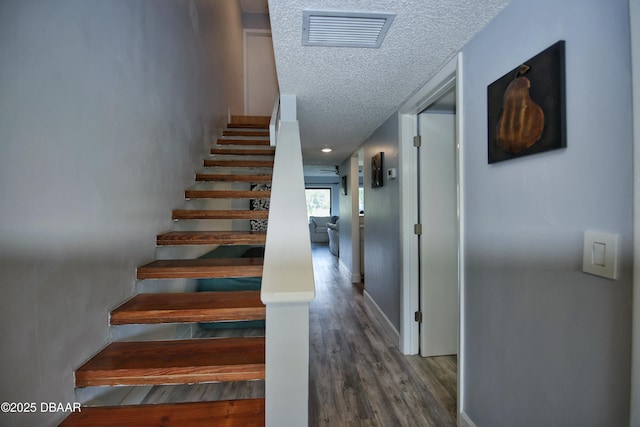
[344,29]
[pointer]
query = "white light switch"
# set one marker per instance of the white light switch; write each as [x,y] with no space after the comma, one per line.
[600,254]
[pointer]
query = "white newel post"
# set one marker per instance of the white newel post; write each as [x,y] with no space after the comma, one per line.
[287,281]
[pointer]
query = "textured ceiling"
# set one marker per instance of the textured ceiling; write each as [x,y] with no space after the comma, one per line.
[344,94]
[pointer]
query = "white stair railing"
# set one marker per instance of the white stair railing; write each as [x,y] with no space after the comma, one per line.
[287,279]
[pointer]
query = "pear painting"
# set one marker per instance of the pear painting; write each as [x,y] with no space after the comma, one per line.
[522,120]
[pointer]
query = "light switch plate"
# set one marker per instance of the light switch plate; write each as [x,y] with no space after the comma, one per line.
[600,254]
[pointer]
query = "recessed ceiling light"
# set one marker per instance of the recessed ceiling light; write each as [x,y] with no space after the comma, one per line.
[344,29]
[326,150]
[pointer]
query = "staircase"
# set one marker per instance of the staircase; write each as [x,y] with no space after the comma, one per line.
[243,147]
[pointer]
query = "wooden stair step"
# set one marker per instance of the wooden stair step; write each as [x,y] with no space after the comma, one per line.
[239,163]
[212,238]
[243,132]
[222,413]
[247,125]
[234,177]
[244,152]
[227,194]
[242,119]
[175,362]
[190,307]
[219,214]
[201,268]
[244,142]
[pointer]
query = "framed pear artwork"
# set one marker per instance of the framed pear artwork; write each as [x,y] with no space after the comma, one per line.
[527,107]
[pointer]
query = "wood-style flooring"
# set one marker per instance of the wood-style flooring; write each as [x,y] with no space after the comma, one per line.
[357,375]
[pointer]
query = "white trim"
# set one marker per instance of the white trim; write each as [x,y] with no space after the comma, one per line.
[448,76]
[465,421]
[461,215]
[634,19]
[377,312]
[409,302]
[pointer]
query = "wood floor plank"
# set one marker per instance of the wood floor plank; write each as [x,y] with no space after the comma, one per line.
[219,214]
[212,238]
[227,413]
[238,163]
[175,362]
[201,268]
[227,194]
[258,178]
[190,307]
[244,152]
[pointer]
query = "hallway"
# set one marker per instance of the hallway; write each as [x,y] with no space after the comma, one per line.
[357,376]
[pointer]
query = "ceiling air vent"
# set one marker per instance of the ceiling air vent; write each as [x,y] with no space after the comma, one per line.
[344,29]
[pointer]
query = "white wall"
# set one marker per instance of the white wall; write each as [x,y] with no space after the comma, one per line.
[106,110]
[382,224]
[546,344]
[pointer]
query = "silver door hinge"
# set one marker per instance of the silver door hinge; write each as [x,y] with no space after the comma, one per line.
[418,316]
[417,141]
[417,229]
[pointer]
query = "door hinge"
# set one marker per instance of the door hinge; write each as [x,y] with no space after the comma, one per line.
[418,316]
[417,141]
[417,229]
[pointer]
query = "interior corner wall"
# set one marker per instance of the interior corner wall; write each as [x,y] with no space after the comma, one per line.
[382,224]
[256,21]
[349,256]
[106,111]
[545,343]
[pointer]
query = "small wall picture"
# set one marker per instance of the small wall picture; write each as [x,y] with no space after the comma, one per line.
[344,185]
[377,170]
[526,107]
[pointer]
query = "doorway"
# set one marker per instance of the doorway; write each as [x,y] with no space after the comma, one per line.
[439,85]
[260,78]
[437,215]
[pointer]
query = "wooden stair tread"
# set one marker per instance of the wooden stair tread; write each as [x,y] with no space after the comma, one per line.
[229,141]
[243,119]
[190,307]
[201,268]
[219,214]
[223,413]
[244,152]
[238,163]
[175,362]
[238,132]
[227,194]
[212,238]
[233,177]
[248,126]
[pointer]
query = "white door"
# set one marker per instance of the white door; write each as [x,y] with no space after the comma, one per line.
[260,78]
[439,239]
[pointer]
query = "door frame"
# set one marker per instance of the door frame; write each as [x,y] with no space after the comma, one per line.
[634,19]
[247,32]
[448,76]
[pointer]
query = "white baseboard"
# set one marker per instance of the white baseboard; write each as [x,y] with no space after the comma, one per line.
[465,421]
[376,311]
[355,278]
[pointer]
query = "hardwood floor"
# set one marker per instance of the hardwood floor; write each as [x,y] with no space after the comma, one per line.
[357,375]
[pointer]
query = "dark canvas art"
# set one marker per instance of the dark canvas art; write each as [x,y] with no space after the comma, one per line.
[526,107]
[376,170]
